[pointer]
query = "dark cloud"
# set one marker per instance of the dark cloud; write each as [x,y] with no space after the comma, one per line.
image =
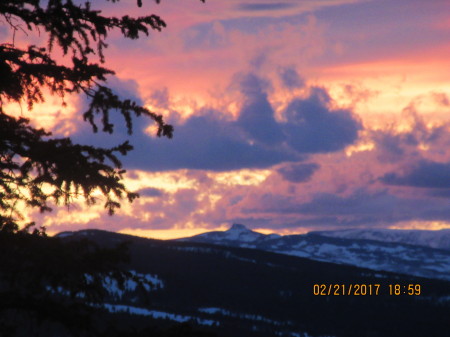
[205,142]
[441,193]
[258,60]
[297,173]
[390,147]
[206,36]
[335,221]
[360,208]
[202,142]
[255,140]
[290,78]
[425,174]
[151,192]
[313,128]
[257,115]
[360,202]
[265,6]
[251,85]
[393,146]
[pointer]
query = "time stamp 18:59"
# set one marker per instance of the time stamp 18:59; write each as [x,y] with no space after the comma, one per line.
[369,289]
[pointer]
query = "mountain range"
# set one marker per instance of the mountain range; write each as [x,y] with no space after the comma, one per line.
[237,292]
[439,239]
[418,253]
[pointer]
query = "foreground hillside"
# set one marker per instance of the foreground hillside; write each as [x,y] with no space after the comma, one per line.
[247,292]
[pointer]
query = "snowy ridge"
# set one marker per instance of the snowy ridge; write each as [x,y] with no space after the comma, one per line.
[83,232]
[357,247]
[236,232]
[439,239]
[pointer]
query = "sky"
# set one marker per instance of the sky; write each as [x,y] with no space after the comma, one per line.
[290,116]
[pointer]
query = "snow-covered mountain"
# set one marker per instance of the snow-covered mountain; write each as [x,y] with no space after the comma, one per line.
[396,254]
[236,233]
[434,239]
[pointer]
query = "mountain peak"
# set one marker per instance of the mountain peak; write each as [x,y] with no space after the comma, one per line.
[237,227]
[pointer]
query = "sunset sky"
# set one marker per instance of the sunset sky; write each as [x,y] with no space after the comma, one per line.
[289,116]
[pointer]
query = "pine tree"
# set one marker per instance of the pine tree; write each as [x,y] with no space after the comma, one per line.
[37,168]
[48,285]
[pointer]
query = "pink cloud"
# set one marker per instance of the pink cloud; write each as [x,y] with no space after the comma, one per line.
[186,71]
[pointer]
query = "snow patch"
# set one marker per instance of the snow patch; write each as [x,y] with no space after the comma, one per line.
[119,308]
[250,317]
[149,283]
[113,286]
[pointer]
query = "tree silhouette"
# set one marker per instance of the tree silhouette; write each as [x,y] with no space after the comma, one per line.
[37,168]
[42,278]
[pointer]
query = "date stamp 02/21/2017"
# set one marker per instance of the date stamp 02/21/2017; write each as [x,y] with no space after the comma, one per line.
[370,289]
